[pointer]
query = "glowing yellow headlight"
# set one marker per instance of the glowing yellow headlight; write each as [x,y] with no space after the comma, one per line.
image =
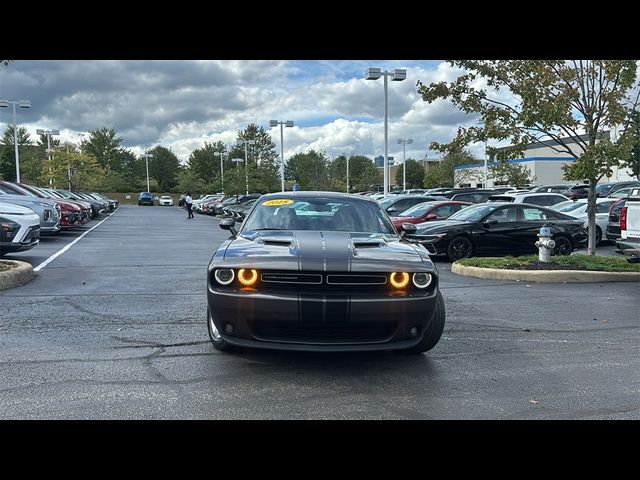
[249,277]
[399,279]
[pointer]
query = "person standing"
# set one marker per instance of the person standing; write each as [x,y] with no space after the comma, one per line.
[189,203]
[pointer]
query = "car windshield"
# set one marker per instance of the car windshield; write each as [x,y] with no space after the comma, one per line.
[603,188]
[417,210]
[387,201]
[319,213]
[474,213]
[567,206]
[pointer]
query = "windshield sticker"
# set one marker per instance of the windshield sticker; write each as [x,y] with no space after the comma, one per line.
[277,203]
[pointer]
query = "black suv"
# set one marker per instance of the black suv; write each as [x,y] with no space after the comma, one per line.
[577,191]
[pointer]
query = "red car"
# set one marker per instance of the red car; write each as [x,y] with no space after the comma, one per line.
[427,212]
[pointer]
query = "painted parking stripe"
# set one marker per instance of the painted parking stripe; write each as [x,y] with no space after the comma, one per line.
[69,245]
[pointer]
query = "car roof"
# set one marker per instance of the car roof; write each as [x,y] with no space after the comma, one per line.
[336,195]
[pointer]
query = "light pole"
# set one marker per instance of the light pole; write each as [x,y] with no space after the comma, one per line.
[246,176]
[397,76]
[221,154]
[275,123]
[21,104]
[48,133]
[347,173]
[146,161]
[404,160]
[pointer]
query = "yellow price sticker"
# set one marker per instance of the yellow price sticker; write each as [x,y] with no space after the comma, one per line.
[277,203]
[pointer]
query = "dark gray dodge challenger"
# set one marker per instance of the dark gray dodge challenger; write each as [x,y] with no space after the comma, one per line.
[322,271]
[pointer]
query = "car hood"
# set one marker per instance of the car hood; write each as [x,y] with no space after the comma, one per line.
[324,251]
[440,226]
[27,201]
[12,209]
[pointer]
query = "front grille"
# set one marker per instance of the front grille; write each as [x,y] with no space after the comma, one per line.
[291,277]
[356,279]
[324,332]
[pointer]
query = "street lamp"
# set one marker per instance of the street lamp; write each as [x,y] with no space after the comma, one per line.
[246,178]
[396,75]
[221,154]
[146,161]
[275,123]
[48,133]
[347,173]
[404,160]
[21,104]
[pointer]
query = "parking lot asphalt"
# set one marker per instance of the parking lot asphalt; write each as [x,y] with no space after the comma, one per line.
[115,328]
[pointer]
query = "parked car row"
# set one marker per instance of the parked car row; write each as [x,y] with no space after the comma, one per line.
[26,212]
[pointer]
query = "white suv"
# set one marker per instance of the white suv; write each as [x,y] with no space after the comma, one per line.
[165,200]
[545,199]
[19,228]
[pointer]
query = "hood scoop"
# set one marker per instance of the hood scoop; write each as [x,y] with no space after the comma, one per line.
[274,241]
[369,243]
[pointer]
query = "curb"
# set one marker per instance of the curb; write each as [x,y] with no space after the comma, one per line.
[546,276]
[18,276]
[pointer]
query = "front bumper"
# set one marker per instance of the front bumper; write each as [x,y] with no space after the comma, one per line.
[332,322]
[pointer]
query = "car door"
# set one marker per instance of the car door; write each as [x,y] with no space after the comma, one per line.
[530,220]
[496,234]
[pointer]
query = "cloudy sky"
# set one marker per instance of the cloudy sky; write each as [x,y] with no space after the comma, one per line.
[184,103]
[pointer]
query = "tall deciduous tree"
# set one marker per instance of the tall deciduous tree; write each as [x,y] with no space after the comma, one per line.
[104,145]
[310,170]
[567,105]
[7,152]
[443,174]
[363,174]
[263,158]
[415,174]
[633,162]
[204,163]
[513,174]
[164,166]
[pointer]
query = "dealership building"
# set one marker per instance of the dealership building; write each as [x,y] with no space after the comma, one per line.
[542,161]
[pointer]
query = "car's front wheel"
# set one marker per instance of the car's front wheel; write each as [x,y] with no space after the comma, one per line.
[563,246]
[459,247]
[434,331]
[214,335]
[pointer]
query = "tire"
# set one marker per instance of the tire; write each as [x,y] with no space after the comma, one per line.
[433,332]
[139,204]
[216,340]
[598,235]
[563,246]
[459,247]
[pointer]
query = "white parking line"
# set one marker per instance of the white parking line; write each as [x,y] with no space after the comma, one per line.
[68,246]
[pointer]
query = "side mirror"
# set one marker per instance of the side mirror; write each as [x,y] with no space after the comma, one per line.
[490,222]
[392,210]
[407,229]
[431,216]
[229,224]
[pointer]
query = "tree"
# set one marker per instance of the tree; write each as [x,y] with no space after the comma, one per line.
[362,174]
[266,176]
[310,170]
[104,146]
[513,174]
[7,152]
[189,181]
[205,164]
[633,162]
[443,174]
[567,105]
[164,166]
[415,174]
[68,166]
